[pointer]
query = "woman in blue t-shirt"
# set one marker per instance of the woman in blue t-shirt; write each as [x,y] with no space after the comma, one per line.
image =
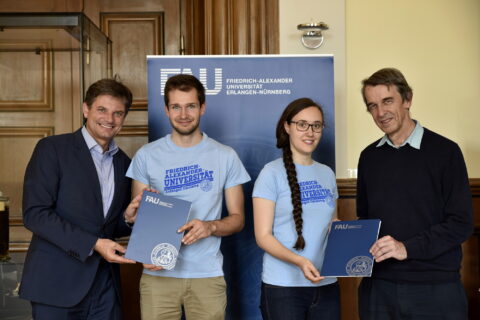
[294,202]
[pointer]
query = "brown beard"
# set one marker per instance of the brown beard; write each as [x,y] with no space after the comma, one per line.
[185,132]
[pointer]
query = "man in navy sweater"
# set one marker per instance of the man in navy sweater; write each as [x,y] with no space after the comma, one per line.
[415,181]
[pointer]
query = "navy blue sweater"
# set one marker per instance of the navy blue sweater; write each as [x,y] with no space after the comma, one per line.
[423,199]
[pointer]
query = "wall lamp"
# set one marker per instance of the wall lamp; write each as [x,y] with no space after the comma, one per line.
[312,37]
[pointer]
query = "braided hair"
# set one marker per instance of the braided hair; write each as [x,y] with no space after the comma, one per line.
[283,142]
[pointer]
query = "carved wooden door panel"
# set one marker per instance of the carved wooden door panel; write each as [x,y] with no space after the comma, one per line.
[138,29]
[39,96]
[40,92]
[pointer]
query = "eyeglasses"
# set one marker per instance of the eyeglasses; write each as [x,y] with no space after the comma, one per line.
[303,125]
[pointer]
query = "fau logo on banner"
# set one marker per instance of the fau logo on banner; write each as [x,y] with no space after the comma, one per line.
[202,76]
[245,98]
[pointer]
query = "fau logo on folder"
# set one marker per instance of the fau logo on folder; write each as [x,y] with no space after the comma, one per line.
[347,253]
[154,238]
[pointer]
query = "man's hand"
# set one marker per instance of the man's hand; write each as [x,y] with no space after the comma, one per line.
[386,248]
[108,250]
[197,230]
[152,267]
[130,213]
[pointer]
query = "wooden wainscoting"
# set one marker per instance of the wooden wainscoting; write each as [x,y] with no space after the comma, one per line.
[347,190]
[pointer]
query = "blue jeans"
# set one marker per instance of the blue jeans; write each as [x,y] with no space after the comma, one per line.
[302,303]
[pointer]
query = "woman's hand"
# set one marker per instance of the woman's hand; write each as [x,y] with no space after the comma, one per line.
[309,271]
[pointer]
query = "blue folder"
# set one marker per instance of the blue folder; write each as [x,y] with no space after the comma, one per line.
[154,239]
[347,253]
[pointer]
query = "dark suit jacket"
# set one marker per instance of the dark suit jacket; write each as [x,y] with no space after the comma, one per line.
[62,206]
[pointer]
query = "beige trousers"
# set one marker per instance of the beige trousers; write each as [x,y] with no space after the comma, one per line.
[161,298]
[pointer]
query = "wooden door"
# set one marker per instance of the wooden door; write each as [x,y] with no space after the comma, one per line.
[39,96]
[138,29]
[40,87]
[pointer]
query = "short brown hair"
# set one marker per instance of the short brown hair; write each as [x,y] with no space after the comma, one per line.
[389,77]
[185,83]
[109,87]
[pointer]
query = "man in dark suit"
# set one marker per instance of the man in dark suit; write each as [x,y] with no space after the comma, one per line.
[76,201]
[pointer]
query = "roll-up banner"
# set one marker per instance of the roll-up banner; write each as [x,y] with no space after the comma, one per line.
[245,96]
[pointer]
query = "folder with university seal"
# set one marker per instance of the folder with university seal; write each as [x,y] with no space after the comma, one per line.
[154,239]
[347,253]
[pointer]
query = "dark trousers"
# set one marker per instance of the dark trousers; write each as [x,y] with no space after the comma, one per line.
[300,303]
[101,302]
[386,300]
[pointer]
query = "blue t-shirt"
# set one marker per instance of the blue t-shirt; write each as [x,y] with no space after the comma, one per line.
[198,174]
[318,193]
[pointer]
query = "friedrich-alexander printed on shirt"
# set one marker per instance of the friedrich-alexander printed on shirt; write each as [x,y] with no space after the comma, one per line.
[311,191]
[188,177]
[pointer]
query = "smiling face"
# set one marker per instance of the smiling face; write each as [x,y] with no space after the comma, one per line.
[303,143]
[184,111]
[104,118]
[389,111]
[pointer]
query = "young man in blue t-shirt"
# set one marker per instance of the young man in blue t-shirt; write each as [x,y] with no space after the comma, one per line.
[189,165]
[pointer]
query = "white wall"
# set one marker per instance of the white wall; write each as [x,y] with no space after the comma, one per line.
[435,43]
[332,12]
